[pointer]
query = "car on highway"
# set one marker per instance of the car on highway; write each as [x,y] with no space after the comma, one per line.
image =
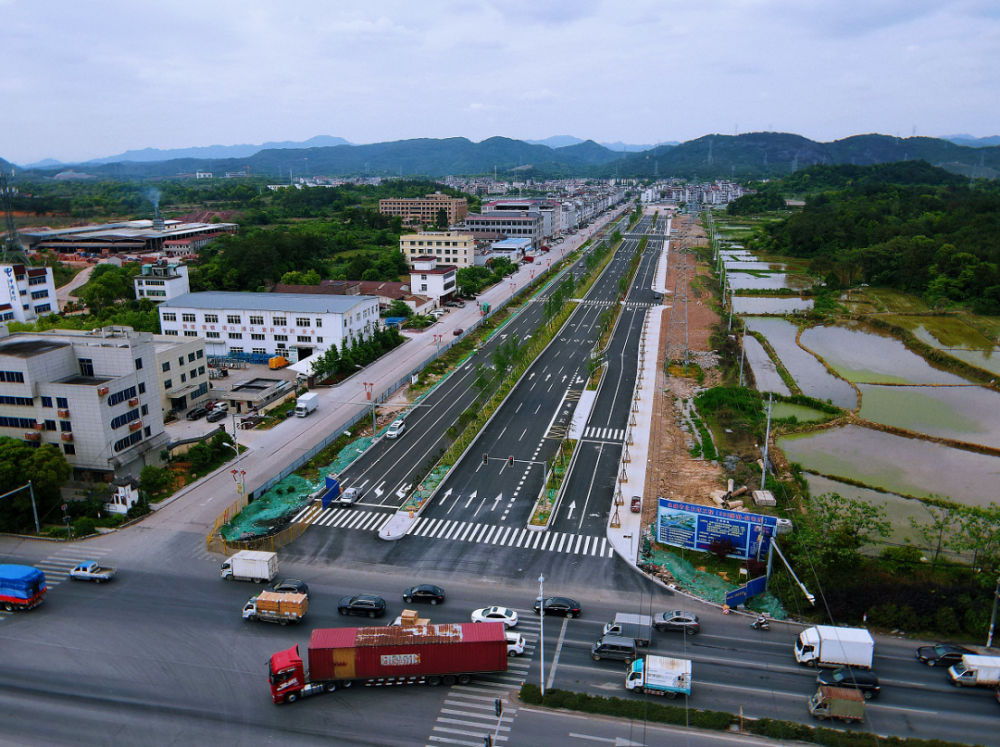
[495,614]
[396,429]
[515,643]
[858,679]
[196,413]
[424,593]
[559,606]
[942,654]
[292,586]
[216,415]
[371,605]
[677,620]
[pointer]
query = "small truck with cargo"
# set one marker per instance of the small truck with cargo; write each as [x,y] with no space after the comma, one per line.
[280,607]
[306,404]
[251,565]
[659,675]
[827,646]
[625,625]
[22,587]
[983,671]
[90,570]
[843,703]
[391,655]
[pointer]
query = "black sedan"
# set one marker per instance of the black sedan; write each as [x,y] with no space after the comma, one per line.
[942,655]
[424,593]
[371,605]
[196,413]
[216,415]
[559,606]
[859,679]
[292,585]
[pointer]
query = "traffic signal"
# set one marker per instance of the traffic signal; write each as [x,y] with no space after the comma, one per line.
[510,461]
[498,707]
[486,458]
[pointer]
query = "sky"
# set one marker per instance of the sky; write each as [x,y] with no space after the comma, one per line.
[89,79]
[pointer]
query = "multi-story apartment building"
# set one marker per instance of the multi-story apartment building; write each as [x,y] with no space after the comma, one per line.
[423,211]
[162,282]
[289,324]
[182,371]
[93,395]
[448,247]
[428,278]
[508,225]
[550,211]
[26,293]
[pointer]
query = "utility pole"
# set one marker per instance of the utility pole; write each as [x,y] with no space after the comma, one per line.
[743,352]
[993,619]
[541,628]
[767,439]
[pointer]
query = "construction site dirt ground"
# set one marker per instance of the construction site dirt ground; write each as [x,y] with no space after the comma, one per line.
[672,472]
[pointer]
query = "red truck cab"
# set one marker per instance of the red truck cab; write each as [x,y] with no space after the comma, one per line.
[286,675]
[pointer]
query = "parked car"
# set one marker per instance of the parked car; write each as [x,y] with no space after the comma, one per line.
[371,605]
[396,429]
[559,606]
[859,679]
[457,331]
[216,415]
[677,620]
[292,585]
[943,654]
[424,593]
[195,413]
[495,614]
[460,304]
[452,304]
[515,644]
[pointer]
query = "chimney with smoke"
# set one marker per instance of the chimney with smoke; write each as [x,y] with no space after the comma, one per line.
[154,197]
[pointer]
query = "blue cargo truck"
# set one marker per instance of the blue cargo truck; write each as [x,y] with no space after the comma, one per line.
[21,587]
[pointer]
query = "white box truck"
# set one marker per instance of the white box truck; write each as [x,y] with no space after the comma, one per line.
[306,404]
[251,565]
[976,670]
[631,626]
[826,646]
[659,675]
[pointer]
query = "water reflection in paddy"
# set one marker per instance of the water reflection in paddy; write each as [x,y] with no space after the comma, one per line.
[967,413]
[770,304]
[765,373]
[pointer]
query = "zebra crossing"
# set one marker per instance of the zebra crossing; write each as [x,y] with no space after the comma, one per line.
[461,531]
[605,434]
[468,715]
[58,565]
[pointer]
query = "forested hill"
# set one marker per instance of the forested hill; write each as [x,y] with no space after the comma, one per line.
[939,241]
[754,155]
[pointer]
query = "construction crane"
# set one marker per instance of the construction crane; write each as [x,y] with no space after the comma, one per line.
[13,252]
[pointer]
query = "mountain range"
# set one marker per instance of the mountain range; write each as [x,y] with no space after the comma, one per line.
[749,155]
[561,141]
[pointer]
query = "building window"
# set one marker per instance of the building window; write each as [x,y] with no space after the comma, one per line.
[37,281]
[235,335]
[148,431]
[193,373]
[114,399]
[22,401]
[212,335]
[256,337]
[319,340]
[46,401]
[183,378]
[69,449]
[138,364]
[201,353]
[301,321]
[129,440]
[39,294]
[281,338]
[280,321]
[12,377]
[201,370]
[188,317]
[169,317]
[65,426]
[17,422]
[211,318]
[303,338]
[124,419]
[190,357]
[258,320]
[190,333]
[235,350]
[142,387]
[231,319]
[50,425]
[145,410]
[171,332]
[166,366]
[281,346]
[62,403]
[168,384]
[319,322]
[260,351]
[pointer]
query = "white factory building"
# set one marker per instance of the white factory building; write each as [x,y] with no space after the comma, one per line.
[26,293]
[293,325]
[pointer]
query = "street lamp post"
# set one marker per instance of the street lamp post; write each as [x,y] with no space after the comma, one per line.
[437,339]
[541,633]
[369,388]
[512,287]
[238,474]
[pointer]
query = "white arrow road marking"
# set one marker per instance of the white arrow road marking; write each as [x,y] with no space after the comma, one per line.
[378,489]
[496,502]
[471,498]
[572,508]
[404,490]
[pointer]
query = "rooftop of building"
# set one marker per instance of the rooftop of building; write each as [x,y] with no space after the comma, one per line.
[317,303]
[28,347]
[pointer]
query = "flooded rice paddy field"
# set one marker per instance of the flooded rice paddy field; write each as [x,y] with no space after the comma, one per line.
[955,337]
[802,413]
[745,281]
[901,465]
[963,413]
[765,373]
[770,304]
[810,375]
[741,265]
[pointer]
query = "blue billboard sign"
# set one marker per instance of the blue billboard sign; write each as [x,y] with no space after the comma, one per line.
[741,595]
[696,527]
[332,491]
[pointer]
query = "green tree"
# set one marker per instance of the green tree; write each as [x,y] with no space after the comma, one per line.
[836,529]
[979,533]
[399,308]
[441,220]
[938,534]
[153,480]
[45,467]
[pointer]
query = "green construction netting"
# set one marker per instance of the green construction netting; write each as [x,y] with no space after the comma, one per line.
[281,502]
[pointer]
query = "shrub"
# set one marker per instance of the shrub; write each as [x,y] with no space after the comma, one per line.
[84,526]
[531,694]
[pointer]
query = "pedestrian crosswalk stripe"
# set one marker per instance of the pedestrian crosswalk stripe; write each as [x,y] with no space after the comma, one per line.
[605,434]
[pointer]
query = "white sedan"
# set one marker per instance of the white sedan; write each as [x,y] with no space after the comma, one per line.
[515,644]
[396,429]
[495,614]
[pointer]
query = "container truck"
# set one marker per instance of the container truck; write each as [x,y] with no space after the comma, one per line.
[844,703]
[392,655]
[251,565]
[280,607]
[625,625]
[826,646]
[976,670]
[306,404]
[659,675]
[21,587]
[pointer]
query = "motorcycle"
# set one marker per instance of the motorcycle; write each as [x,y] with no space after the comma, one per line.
[761,623]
